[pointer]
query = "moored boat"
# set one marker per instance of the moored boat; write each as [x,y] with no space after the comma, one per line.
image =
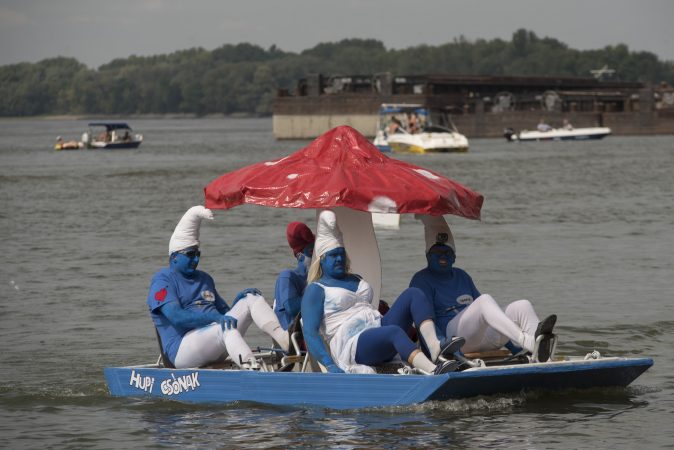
[111,135]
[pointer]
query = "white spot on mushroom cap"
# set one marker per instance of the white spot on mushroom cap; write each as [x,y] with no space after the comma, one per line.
[427,174]
[273,163]
[382,204]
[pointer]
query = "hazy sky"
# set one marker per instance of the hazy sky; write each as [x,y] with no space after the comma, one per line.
[97,31]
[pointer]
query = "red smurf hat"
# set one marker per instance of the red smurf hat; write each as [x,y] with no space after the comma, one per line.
[299,236]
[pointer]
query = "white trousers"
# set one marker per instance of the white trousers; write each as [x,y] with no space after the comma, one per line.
[211,343]
[485,326]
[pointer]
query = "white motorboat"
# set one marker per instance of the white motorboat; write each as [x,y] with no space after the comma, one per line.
[558,134]
[111,135]
[409,128]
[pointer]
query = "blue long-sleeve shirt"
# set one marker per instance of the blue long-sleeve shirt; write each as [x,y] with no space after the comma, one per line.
[450,293]
[195,295]
[288,293]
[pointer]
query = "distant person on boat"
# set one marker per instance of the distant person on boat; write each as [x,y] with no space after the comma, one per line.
[195,324]
[104,136]
[395,126]
[543,127]
[567,125]
[413,123]
[461,310]
[291,283]
[337,305]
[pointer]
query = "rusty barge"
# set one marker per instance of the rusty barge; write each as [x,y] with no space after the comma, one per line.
[480,106]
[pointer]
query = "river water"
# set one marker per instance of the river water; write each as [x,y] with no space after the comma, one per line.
[583,230]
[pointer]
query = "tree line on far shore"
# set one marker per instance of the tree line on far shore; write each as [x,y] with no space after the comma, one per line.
[244,78]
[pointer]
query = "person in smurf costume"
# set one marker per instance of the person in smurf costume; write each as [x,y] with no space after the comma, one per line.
[195,324]
[461,310]
[290,283]
[337,306]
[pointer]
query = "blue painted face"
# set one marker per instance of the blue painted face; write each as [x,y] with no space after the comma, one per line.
[440,259]
[304,260]
[333,263]
[186,261]
[308,250]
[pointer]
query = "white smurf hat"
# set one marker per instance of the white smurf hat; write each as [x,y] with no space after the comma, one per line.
[436,231]
[328,234]
[186,233]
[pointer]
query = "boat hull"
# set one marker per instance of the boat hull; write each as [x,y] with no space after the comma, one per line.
[428,143]
[115,145]
[609,372]
[577,134]
[348,391]
[403,147]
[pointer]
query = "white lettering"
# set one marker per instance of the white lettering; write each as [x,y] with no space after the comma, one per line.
[140,382]
[182,381]
[133,378]
[178,385]
[166,387]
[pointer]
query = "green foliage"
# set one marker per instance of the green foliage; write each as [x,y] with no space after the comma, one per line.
[244,78]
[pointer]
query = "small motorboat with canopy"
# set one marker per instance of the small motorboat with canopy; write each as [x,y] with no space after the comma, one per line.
[344,172]
[111,135]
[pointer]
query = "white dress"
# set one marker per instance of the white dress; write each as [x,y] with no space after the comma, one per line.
[346,314]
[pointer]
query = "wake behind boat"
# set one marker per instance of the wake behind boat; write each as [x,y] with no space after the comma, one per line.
[558,134]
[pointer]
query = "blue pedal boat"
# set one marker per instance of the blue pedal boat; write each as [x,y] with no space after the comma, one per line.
[352,391]
[343,171]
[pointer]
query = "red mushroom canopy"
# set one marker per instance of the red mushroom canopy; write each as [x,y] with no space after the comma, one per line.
[342,168]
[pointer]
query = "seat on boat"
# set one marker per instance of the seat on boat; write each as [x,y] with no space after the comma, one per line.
[301,356]
[163,359]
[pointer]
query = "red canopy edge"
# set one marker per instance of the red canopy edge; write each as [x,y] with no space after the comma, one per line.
[342,168]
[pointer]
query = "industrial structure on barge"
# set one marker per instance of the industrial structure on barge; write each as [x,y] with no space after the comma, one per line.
[480,106]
